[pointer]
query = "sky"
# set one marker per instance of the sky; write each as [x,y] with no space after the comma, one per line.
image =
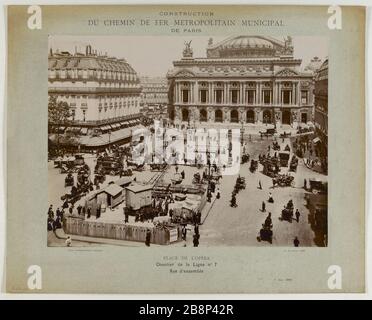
[153,55]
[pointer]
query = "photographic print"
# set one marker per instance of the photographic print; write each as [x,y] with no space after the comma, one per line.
[190,147]
[258,104]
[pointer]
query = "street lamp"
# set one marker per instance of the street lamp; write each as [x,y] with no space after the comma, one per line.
[242,133]
[109,136]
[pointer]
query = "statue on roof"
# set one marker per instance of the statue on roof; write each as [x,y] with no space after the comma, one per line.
[210,41]
[187,52]
[288,46]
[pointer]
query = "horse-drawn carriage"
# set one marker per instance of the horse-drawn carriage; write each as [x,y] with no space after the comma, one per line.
[268,132]
[276,146]
[254,165]
[270,167]
[99,178]
[318,186]
[196,178]
[245,158]
[240,184]
[158,166]
[285,135]
[293,164]
[83,175]
[266,234]
[69,180]
[177,178]
[287,212]
[284,158]
[108,165]
[283,180]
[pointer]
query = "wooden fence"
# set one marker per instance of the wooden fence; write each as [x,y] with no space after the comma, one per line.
[81,227]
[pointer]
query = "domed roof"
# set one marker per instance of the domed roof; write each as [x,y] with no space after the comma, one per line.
[246,46]
[245,42]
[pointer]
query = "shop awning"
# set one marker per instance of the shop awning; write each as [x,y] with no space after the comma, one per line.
[74,130]
[316,140]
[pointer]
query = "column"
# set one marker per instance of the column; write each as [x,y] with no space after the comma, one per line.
[240,93]
[228,93]
[260,93]
[196,92]
[209,92]
[298,94]
[178,92]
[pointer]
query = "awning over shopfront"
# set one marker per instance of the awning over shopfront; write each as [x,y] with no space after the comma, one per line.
[84,131]
[316,140]
[74,130]
[105,128]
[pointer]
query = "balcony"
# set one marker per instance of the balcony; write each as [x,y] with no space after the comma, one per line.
[94,123]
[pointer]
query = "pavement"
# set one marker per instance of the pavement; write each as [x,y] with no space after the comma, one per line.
[222,225]
[240,226]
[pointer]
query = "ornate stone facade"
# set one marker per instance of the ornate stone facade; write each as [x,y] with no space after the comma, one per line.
[102,92]
[154,97]
[244,79]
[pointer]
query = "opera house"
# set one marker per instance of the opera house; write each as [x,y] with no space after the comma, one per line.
[243,79]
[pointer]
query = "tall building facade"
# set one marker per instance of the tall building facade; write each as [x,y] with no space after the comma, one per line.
[243,79]
[154,97]
[321,99]
[103,92]
[321,105]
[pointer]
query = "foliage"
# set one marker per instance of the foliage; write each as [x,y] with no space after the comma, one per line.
[58,111]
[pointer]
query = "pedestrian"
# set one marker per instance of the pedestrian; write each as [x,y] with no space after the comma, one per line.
[88,212]
[68,241]
[263,206]
[233,203]
[305,184]
[297,216]
[271,200]
[98,212]
[148,238]
[218,195]
[176,169]
[184,233]
[198,217]
[259,185]
[296,242]
[196,240]
[183,174]
[209,196]
[213,186]
[196,228]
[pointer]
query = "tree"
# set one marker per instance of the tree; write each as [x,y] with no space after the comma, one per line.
[59,114]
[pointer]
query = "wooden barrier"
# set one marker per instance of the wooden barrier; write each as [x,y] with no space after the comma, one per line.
[81,227]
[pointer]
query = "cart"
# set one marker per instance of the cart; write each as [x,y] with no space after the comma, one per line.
[283,180]
[69,180]
[318,186]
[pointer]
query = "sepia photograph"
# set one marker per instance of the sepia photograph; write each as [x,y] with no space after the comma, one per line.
[187,141]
